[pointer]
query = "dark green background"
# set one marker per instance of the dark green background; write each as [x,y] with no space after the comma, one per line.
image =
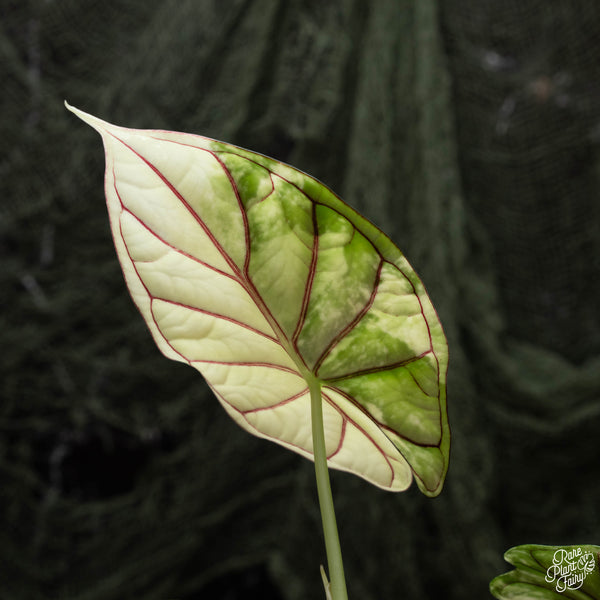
[469,131]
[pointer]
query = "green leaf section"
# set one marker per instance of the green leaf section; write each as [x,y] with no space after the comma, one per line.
[393,331]
[398,403]
[363,325]
[281,239]
[550,573]
[342,285]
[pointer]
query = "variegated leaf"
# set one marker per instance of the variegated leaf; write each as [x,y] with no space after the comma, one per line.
[262,278]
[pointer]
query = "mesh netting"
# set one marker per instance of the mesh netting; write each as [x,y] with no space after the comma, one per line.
[469,132]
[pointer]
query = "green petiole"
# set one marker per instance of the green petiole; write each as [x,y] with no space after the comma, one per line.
[337,586]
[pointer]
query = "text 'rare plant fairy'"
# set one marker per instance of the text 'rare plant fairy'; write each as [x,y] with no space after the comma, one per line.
[306,321]
[550,573]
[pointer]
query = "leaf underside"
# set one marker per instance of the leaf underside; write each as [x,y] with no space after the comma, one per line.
[550,573]
[261,278]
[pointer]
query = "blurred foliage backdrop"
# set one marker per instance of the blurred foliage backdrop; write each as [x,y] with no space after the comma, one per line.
[469,131]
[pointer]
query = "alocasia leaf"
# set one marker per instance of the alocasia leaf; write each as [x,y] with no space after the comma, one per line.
[550,573]
[263,279]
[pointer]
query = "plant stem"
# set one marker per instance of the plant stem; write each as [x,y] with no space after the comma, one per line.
[332,541]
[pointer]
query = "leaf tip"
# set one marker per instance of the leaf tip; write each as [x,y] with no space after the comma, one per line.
[98,124]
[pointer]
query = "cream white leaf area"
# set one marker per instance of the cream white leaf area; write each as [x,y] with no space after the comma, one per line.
[262,279]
